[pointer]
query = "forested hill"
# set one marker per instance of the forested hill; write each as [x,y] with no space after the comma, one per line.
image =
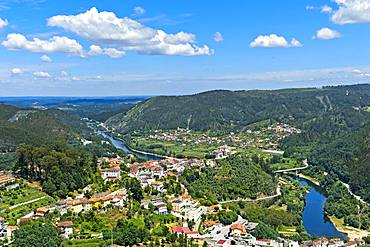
[36,127]
[227,110]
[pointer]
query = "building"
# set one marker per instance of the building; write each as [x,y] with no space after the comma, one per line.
[6,180]
[40,212]
[9,232]
[237,229]
[110,173]
[65,228]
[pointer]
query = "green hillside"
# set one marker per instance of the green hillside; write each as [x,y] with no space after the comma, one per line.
[36,127]
[334,122]
[227,110]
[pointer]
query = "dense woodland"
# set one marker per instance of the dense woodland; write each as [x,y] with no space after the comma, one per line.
[60,169]
[227,110]
[238,176]
[31,126]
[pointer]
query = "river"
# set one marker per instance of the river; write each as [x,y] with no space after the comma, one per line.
[126,149]
[314,219]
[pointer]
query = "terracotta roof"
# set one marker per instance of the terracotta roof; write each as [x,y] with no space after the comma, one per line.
[65,224]
[239,227]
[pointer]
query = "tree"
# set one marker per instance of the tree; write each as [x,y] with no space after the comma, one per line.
[37,234]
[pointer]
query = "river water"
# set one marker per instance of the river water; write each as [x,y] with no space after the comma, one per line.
[314,219]
[122,146]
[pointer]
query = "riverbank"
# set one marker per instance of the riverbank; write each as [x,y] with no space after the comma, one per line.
[351,232]
[311,179]
[143,152]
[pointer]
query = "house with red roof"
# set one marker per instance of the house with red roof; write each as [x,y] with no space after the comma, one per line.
[65,228]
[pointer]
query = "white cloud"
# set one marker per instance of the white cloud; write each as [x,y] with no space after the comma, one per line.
[351,11]
[16,71]
[218,37]
[310,7]
[46,59]
[55,44]
[63,73]
[96,50]
[327,33]
[107,30]
[273,41]
[326,9]
[3,23]
[42,74]
[139,10]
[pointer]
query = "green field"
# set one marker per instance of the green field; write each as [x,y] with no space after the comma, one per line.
[22,194]
[85,242]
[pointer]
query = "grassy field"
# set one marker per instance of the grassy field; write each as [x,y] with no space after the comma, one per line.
[85,242]
[288,231]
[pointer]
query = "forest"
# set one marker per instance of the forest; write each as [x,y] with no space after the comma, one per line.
[232,111]
[238,176]
[60,169]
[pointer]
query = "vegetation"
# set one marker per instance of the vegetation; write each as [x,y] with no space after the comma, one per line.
[238,176]
[37,234]
[227,110]
[59,168]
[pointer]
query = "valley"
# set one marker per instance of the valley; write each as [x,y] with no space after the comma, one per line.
[228,174]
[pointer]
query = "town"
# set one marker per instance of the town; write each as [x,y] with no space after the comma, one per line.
[164,195]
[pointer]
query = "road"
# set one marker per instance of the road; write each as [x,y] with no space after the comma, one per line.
[353,194]
[294,169]
[278,193]
[28,202]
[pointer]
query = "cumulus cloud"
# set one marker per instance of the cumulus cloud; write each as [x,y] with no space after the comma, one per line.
[63,73]
[55,44]
[42,74]
[107,30]
[327,33]
[16,71]
[274,41]
[351,12]
[139,10]
[218,37]
[96,50]
[46,59]
[3,23]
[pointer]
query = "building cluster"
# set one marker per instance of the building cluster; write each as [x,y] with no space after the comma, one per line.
[149,173]
[334,242]
[283,129]
[110,168]
[221,152]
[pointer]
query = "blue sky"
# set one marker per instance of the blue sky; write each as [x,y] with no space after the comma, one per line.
[112,47]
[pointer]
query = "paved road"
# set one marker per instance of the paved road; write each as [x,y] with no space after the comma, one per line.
[28,202]
[353,194]
[278,193]
[294,169]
